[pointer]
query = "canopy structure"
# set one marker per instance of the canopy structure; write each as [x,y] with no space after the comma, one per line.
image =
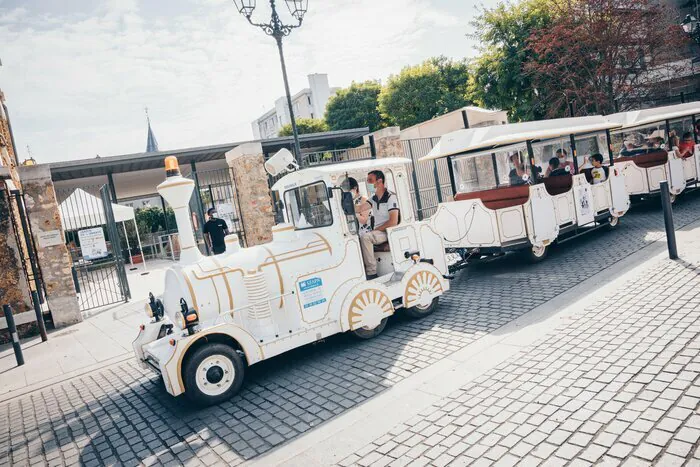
[465,141]
[82,210]
[658,114]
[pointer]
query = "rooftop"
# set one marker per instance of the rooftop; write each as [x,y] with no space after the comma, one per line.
[80,168]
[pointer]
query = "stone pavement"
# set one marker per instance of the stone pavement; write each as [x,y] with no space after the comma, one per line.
[121,414]
[104,337]
[619,383]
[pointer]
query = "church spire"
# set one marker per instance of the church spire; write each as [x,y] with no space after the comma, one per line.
[151,142]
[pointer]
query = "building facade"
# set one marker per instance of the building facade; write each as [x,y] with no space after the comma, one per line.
[308,103]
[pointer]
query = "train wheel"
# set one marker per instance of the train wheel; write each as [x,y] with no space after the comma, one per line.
[213,374]
[613,222]
[535,254]
[365,333]
[421,311]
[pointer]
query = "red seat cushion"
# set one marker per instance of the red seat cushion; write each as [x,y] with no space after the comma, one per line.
[558,184]
[651,159]
[499,198]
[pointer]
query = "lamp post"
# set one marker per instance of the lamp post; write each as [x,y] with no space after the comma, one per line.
[278,30]
[691,26]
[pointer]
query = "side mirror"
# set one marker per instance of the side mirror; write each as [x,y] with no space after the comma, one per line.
[348,204]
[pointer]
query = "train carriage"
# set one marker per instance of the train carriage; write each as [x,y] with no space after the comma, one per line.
[653,145]
[508,197]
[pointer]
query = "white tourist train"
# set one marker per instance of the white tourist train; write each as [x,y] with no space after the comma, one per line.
[657,144]
[523,186]
[220,314]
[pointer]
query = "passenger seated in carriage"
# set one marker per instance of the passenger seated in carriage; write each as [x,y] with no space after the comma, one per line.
[554,170]
[686,148]
[599,173]
[516,174]
[385,209]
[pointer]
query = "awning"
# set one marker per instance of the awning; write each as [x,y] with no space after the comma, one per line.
[81,210]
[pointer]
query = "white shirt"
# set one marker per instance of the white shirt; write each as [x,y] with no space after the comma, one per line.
[598,174]
[382,206]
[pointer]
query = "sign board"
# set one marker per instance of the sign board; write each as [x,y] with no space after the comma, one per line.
[49,238]
[225,211]
[92,243]
[311,292]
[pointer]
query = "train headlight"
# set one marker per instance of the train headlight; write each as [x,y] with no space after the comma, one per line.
[180,320]
[149,310]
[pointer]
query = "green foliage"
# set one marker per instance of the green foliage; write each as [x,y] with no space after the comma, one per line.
[419,93]
[355,107]
[498,79]
[304,126]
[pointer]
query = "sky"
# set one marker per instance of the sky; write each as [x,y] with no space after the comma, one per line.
[77,74]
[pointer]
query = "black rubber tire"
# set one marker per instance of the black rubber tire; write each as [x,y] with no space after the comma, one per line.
[189,373]
[417,313]
[365,334]
[532,258]
[613,222]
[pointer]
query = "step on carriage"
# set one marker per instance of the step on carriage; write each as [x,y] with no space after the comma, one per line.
[505,197]
[657,144]
[220,314]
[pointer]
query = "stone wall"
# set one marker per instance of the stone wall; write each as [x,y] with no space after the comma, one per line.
[52,256]
[14,289]
[253,192]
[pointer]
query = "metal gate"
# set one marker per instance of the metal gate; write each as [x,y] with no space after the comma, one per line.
[216,189]
[430,181]
[95,246]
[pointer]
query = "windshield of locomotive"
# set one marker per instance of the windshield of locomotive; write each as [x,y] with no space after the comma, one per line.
[308,206]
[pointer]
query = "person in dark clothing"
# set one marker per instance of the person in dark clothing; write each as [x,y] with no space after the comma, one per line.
[554,169]
[215,230]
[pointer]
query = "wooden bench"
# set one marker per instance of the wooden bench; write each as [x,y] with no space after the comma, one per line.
[499,198]
[651,159]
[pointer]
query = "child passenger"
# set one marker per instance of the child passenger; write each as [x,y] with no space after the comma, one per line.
[599,173]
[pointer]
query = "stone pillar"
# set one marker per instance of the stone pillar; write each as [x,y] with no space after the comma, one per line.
[14,289]
[253,193]
[52,253]
[387,141]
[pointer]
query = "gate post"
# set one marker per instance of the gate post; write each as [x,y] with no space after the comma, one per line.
[252,192]
[52,253]
[387,142]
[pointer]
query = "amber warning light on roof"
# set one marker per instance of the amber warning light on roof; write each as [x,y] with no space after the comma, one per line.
[172,168]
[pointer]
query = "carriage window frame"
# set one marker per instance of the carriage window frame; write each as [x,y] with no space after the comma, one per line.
[503,178]
[327,201]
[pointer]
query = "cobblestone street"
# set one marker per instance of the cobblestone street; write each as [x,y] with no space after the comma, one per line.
[619,381]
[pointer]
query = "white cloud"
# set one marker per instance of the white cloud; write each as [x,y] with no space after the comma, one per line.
[76,84]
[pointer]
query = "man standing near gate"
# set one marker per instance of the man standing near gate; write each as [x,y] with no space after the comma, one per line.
[215,230]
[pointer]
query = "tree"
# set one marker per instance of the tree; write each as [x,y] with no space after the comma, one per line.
[419,93]
[497,78]
[355,107]
[304,126]
[602,51]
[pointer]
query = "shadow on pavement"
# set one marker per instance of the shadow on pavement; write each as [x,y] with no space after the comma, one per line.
[122,414]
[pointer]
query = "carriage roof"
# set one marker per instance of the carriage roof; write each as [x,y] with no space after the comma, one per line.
[480,139]
[637,118]
[325,172]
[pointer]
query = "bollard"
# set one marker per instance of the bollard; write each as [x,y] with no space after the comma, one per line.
[13,334]
[668,220]
[39,316]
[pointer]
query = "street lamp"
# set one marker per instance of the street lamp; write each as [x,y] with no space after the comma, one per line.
[278,30]
[690,26]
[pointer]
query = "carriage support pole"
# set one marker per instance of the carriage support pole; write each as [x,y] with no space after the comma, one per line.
[668,220]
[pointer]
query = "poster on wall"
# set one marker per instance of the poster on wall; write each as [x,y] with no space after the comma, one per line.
[92,243]
[225,211]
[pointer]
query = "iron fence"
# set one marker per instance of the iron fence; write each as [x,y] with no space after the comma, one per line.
[216,189]
[336,155]
[430,180]
[95,246]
